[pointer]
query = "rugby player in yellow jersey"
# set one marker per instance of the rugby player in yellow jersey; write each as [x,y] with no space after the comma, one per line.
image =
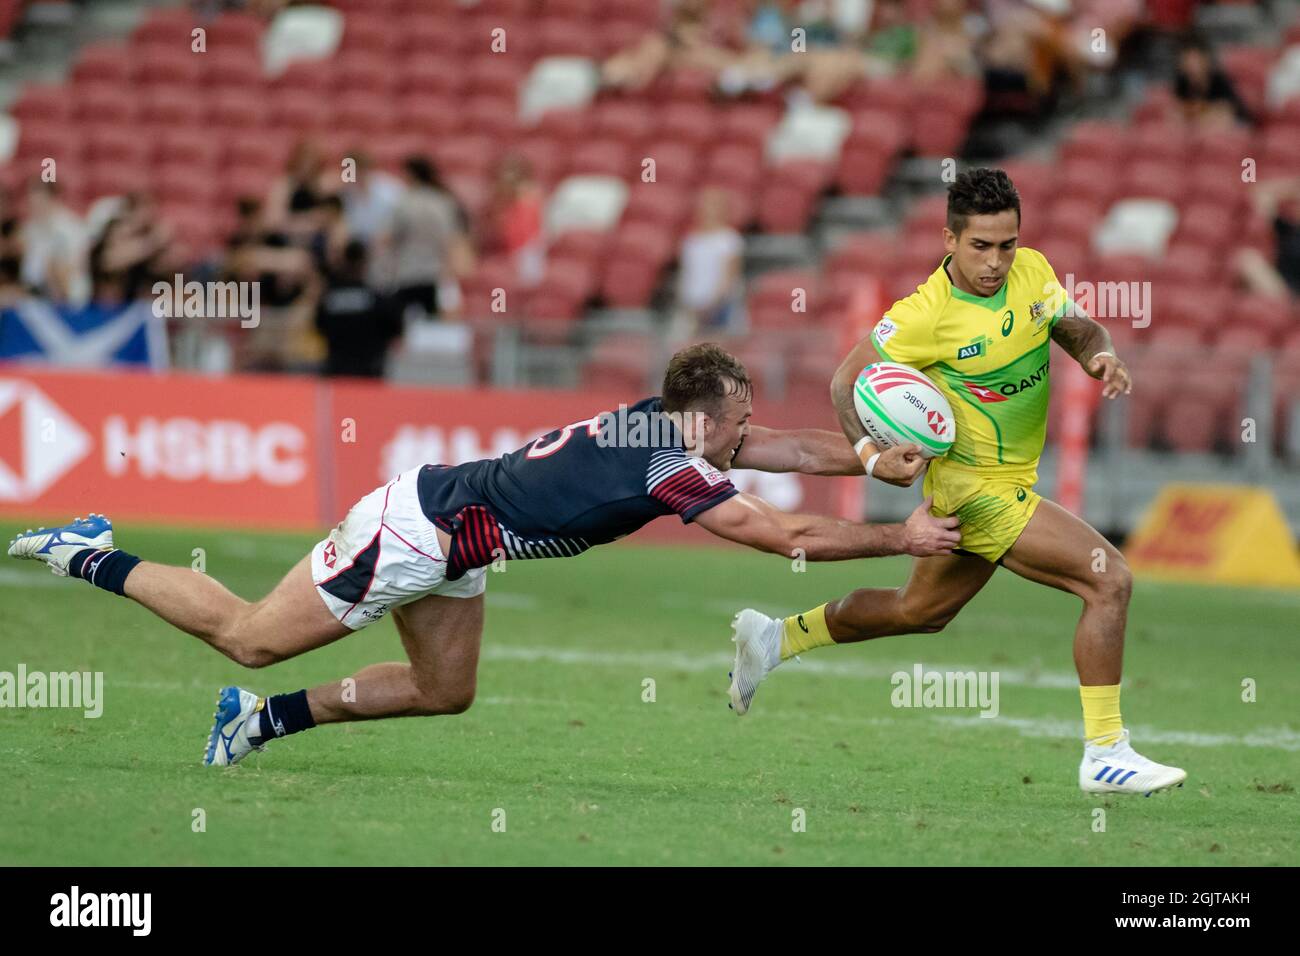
[980,327]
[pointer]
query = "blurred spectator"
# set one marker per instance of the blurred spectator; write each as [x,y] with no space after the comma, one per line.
[130,253]
[369,202]
[709,292]
[11,252]
[1030,52]
[54,247]
[1277,200]
[515,219]
[692,39]
[357,322]
[1204,93]
[947,42]
[256,253]
[426,244]
[893,38]
[299,190]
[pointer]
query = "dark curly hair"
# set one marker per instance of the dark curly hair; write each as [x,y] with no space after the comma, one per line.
[980,192]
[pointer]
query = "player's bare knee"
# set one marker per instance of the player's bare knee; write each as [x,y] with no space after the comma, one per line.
[1118,580]
[444,701]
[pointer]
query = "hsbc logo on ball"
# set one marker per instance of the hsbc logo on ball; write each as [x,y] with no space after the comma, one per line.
[938,424]
[39,441]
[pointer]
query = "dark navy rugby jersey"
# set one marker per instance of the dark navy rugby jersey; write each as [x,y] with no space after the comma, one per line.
[568,491]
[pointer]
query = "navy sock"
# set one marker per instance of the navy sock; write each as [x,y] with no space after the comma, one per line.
[104,569]
[286,714]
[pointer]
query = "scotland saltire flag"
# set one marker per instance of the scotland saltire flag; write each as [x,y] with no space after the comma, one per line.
[91,335]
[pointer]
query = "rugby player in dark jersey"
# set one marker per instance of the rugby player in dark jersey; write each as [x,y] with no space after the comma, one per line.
[420,545]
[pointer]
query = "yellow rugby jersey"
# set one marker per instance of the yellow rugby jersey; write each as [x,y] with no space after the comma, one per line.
[989,356]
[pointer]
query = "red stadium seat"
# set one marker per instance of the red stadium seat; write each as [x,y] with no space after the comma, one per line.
[677,163]
[236,109]
[604,158]
[663,205]
[306,79]
[104,104]
[869,252]
[430,115]
[741,164]
[1154,180]
[191,145]
[235,69]
[420,73]
[104,64]
[1264,313]
[170,105]
[465,153]
[117,146]
[235,31]
[365,114]
[370,33]
[690,122]
[1086,180]
[544,155]
[566,36]
[362,72]
[1242,341]
[172,28]
[168,66]
[1096,140]
[42,102]
[749,123]
[299,111]
[627,121]
[938,132]
[578,245]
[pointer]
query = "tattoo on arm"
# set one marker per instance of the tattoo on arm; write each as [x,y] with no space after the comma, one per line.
[1082,337]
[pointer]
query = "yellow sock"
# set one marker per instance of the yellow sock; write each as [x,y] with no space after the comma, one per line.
[803,632]
[1102,724]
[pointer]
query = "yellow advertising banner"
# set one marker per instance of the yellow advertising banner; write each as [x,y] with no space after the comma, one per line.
[1220,534]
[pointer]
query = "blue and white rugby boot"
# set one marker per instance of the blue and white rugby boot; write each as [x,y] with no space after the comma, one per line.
[56,546]
[1121,769]
[229,743]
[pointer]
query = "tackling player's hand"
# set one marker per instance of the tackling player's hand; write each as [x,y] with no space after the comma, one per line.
[1113,373]
[928,535]
[899,465]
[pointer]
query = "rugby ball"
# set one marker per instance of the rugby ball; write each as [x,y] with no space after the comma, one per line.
[897,405]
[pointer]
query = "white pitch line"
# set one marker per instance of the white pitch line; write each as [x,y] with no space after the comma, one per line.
[1279,738]
[696,663]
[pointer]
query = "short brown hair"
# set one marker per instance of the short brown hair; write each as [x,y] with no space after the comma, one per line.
[700,376]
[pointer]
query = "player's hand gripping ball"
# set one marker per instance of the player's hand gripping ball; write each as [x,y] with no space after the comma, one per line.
[897,404]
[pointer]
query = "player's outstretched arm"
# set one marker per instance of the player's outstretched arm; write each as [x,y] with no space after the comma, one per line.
[750,520]
[813,451]
[1088,343]
[900,465]
[810,451]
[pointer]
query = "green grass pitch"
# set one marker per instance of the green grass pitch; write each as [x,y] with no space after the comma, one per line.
[588,772]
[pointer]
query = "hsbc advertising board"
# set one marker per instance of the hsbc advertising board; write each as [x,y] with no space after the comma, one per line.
[272,452]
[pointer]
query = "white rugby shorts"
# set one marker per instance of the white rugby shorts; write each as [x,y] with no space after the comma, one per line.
[385,554]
